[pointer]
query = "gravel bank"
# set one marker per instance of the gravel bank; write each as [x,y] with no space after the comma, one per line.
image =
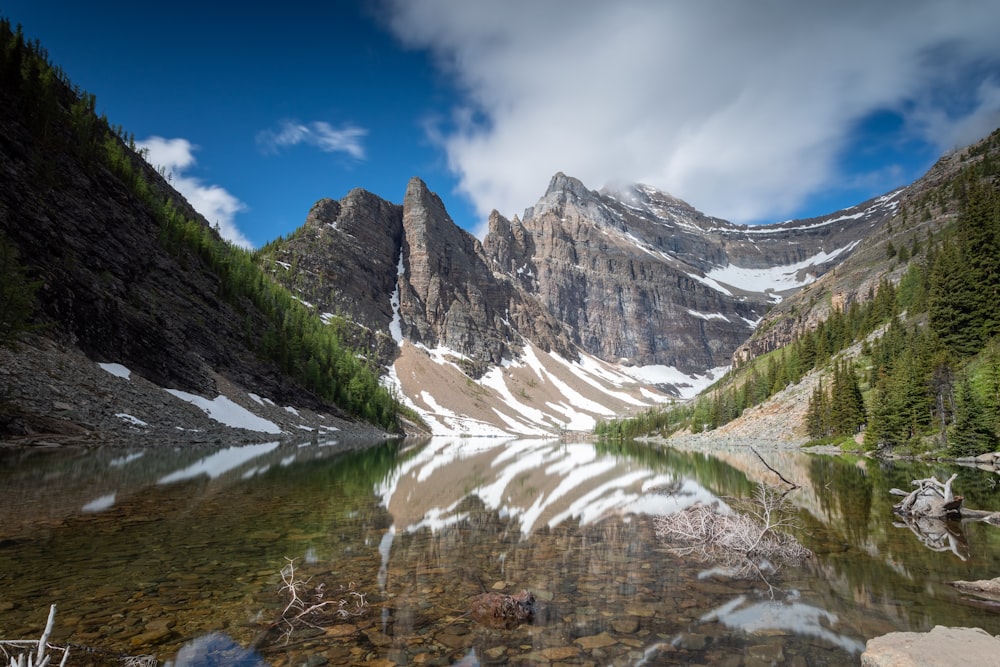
[51,394]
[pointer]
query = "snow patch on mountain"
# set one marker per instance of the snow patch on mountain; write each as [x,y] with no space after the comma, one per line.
[395,326]
[225,411]
[708,316]
[687,385]
[776,278]
[117,370]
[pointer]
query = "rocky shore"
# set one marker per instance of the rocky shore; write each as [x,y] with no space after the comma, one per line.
[52,394]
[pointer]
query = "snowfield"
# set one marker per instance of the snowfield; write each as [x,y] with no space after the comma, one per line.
[777,278]
[536,394]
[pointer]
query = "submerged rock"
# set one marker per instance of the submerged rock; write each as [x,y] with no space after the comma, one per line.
[499,610]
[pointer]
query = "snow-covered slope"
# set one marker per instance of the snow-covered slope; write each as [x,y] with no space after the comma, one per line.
[536,394]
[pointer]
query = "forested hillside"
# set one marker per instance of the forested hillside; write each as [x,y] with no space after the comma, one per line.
[914,366]
[127,270]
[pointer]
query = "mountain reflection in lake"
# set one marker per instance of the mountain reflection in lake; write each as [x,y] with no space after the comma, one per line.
[177,553]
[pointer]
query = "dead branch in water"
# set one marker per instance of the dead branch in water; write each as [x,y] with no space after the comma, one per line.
[933,513]
[38,654]
[41,657]
[780,476]
[314,606]
[736,539]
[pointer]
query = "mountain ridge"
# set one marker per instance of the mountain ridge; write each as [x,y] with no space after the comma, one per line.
[630,278]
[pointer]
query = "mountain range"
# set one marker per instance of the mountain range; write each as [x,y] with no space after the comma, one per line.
[590,305]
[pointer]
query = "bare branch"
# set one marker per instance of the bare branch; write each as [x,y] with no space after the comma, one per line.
[737,538]
[780,476]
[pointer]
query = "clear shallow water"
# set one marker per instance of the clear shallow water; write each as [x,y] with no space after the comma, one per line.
[177,553]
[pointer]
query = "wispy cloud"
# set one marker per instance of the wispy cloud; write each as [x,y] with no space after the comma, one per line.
[218,205]
[743,109]
[318,134]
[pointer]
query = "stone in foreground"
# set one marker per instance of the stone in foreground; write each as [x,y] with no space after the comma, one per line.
[941,647]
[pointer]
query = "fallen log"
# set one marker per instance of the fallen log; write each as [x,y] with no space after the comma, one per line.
[935,515]
[935,500]
[931,499]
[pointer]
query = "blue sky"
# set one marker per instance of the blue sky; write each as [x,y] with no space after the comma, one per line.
[754,112]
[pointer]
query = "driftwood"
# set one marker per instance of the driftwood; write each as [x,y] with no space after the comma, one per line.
[309,606]
[931,499]
[40,657]
[934,500]
[935,514]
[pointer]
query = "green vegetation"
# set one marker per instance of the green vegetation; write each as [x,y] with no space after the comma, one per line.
[17,295]
[277,327]
[654,420]
[928,373]
[841,410]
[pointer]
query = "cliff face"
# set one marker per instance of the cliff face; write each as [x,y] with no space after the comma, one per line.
[629,277]
[636,274]
[448,296]
[409,272]
[617,284]
[107,285]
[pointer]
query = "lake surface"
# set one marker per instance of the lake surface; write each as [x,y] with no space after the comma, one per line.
[177,553]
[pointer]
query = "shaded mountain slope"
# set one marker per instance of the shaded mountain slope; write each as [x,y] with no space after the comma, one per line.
[129,273]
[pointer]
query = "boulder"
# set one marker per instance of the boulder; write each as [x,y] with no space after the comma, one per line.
[941,647]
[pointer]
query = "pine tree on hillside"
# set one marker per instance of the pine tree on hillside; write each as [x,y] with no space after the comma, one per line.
[979,230]
[953,302]
[817,414]
[846,403]
[964,298]
[886,425]
[972,433]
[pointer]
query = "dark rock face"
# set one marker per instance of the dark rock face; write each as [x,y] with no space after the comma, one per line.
[448,295]
[108,286]
[372,261]
[620,297]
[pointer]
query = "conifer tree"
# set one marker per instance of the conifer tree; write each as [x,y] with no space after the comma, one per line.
[846,405]
[816,413]
[952,302]
[972,433]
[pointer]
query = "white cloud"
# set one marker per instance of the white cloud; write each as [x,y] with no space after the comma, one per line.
[214,202]
[318,134]
[741,108]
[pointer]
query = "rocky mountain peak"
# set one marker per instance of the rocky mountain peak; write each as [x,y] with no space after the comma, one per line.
[323,212]
[567,196]
[648,198]
[560,183]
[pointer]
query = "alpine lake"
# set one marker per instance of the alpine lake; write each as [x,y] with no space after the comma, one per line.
[179,554]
